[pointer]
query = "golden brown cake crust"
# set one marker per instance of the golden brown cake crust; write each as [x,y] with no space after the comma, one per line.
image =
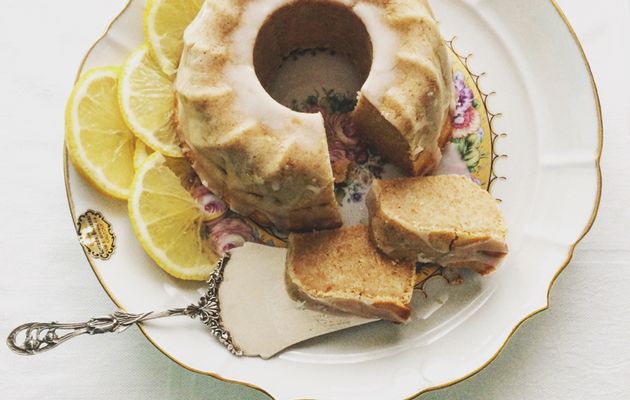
[343,270]
[410,122]
[446,220]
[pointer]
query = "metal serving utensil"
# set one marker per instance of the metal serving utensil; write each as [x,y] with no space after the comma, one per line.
[41,337]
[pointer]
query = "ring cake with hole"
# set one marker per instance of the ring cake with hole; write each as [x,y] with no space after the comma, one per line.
[271,163]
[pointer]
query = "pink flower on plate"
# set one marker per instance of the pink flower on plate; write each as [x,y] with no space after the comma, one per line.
[342,134]
[465,95]
[467,123]
[228,233]
[211,205]
[344,144]
[340,127]
[336,152]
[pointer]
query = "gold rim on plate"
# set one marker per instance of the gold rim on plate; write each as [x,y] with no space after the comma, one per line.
[585,231]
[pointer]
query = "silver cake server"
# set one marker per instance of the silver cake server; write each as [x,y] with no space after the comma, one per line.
[251,315]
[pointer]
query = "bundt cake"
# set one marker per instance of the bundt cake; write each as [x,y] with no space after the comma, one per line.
[272,163]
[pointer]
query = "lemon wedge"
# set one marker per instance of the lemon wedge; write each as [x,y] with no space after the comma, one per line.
[168,221]
[147,102]
[99,142]
[164,25]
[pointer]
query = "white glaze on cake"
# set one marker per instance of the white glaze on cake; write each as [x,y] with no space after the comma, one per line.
[385,45]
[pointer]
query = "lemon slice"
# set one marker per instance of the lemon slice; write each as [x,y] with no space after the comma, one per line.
[140,154]
[164,25]
[147,102]
[99,142]
[168,221]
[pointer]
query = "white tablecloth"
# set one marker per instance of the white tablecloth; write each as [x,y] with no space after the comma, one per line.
[578,349]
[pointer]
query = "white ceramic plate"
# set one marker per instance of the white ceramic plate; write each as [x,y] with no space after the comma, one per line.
[550,114]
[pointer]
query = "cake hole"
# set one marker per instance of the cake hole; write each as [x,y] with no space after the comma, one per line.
[312,49]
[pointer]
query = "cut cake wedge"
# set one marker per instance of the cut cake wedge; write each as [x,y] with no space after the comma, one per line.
[343,270]
[447,220]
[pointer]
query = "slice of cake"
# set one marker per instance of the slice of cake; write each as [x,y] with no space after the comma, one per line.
[342,269]
[447,220]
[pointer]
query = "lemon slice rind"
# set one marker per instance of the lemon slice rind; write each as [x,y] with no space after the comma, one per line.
[166,38]
[175,208]
[86,165]
[147,102]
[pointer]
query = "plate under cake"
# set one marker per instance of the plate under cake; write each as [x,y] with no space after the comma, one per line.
[549,200]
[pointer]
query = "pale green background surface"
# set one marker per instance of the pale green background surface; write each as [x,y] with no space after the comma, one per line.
[578,349]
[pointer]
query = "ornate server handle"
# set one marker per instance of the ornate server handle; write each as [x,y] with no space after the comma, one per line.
[40,337]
